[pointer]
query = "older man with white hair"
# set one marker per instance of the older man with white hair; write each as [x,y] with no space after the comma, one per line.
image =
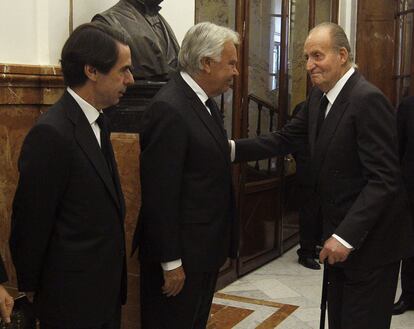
[187,227]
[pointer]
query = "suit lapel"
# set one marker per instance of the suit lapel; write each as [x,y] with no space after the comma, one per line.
[313,117]
[216,130]
[331,122]
[88,143]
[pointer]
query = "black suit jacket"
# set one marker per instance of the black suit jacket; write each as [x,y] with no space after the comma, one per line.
[67,237]
[3,274]
[354,170]
[405,124]
[187,202]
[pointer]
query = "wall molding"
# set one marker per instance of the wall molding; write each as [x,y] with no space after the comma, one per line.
[30,84]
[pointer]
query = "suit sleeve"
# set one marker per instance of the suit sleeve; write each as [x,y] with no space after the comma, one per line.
[43,170]
[164,144]
[377,149]
[3,274]
[288,140]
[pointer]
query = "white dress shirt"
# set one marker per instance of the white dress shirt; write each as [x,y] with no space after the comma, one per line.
[90,112]
[196,88]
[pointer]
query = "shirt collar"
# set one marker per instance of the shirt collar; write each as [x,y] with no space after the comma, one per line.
[90,112]
[195,87]
[334,92]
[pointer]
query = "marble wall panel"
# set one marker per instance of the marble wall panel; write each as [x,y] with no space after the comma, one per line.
[126,149]
[220,12]
[15,122]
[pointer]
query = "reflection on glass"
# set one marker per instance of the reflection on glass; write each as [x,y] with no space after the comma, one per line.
[322,11]
[263,72]
[299,17]
[408,37]
[409,4]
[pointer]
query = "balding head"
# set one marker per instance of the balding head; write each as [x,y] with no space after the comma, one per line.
[327,54]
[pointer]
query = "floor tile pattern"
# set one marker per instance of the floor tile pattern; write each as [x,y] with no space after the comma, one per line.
[239,312]
[282,295]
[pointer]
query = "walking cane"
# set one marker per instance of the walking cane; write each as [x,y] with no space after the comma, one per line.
[324,297]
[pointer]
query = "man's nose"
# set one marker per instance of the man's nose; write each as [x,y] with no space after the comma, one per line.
[129,79]
[309,64]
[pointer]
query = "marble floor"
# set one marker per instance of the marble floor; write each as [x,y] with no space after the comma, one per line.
[282,295]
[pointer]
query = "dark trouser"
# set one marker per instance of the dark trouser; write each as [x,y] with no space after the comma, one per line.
[407,280]
[188,310]
[361,299]
[407,266]
[309,230]
[114,323]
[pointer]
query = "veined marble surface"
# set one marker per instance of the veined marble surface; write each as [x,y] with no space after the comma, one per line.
[282,282]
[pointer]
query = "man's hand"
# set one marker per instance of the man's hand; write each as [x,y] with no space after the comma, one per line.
[30,296]
[6,304]
[334,251]
[173,281]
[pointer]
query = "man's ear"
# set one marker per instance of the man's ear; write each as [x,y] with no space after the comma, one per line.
[90,72]
[206,64]
[343,53]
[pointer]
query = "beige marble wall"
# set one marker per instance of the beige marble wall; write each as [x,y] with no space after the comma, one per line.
[15,121]
[126,148]
[220,12]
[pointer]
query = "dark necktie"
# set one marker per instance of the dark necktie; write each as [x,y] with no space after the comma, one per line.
[102,122]
[323,103]
[215,112]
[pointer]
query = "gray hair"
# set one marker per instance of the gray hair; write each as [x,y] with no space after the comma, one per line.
[339,38]
[204,40]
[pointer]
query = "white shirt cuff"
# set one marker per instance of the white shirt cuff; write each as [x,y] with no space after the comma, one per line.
[232,145]
[169,266]
[342,241]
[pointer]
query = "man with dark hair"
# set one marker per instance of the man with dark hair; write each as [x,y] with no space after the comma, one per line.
[356,181]
[67,238]
[6,301]
[187,226]
[154,47]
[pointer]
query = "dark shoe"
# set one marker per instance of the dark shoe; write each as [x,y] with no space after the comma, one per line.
[309,263]
[401,306]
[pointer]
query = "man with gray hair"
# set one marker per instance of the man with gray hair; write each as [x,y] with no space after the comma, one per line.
[187,228]
[356,182]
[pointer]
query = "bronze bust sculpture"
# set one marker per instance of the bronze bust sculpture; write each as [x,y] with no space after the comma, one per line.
[154,48]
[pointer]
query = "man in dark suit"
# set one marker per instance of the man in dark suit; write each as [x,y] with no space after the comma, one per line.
[154,47]
[6,301]
[405,125]
[186,228]
[67,237]
[357,188]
